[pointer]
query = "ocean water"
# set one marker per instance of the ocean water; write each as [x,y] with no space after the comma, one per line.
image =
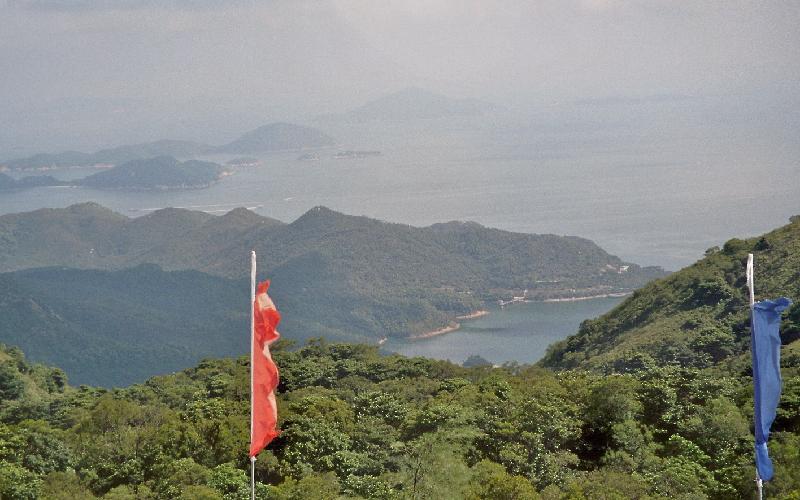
[647,202]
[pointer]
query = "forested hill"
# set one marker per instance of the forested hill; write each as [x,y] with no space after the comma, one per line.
[697,316]
[322,244]
[358,425]
[114,328]
[334,275]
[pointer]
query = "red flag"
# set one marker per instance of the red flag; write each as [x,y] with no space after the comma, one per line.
[264,411]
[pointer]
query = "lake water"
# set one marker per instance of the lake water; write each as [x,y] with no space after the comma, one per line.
[520,332]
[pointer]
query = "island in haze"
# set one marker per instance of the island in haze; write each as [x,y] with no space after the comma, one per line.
[8,183]
[277,137]
[107,158]
[163,172]
[268,138]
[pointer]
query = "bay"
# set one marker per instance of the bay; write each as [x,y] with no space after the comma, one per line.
[519,332]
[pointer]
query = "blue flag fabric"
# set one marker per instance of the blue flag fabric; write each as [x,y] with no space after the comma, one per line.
[766,348]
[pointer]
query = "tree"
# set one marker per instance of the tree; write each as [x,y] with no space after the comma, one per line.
[490,481]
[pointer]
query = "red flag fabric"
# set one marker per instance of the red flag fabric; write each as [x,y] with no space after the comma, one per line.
[264,411]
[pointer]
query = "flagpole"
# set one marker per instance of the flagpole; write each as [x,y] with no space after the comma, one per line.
[751,289]
[252,392]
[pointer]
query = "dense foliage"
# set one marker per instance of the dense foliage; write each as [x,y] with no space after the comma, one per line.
[115,328]
[359,425]
[698,316]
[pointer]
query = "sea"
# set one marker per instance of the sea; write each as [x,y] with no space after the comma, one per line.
[652,193]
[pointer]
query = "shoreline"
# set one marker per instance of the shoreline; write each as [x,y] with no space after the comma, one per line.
[483,312]
[588,297]
[436,333]
[474,314]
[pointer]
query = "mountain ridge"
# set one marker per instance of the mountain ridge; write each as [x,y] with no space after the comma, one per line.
[334,274]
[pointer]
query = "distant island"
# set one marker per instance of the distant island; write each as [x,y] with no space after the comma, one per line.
[106,158]
[269,138]
[277,137]
[8,183]
[163,172]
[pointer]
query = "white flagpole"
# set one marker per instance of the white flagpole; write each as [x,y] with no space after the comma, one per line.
[252,343]
[751,288]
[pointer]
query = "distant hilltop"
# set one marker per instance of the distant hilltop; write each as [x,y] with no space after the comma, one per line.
[163,172]
[277,137]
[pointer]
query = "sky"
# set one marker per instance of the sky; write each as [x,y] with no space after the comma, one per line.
[91,73]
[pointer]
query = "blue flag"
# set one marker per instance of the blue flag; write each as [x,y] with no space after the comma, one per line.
[766,348]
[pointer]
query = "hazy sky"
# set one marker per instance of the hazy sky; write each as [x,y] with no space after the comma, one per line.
[87,72]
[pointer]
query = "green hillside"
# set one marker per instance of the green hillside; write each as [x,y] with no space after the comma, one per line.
[116,328]
[697,316]
[335,275]
[359,425]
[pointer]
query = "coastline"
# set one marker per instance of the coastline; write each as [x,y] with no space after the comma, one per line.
[435,333]
[474,314]
[589,297]
[483,312]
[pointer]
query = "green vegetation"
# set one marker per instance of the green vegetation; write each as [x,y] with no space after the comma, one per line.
[342,277]
[359,425]
[117,328]
[664,412]
[162,172]
[698,316]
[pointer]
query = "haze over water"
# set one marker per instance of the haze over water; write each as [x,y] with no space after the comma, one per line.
[650,195]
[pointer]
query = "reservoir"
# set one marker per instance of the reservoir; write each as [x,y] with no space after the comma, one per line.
[519,332]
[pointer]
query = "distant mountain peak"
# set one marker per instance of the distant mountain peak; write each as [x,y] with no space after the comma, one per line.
[242,215]
[278,136]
